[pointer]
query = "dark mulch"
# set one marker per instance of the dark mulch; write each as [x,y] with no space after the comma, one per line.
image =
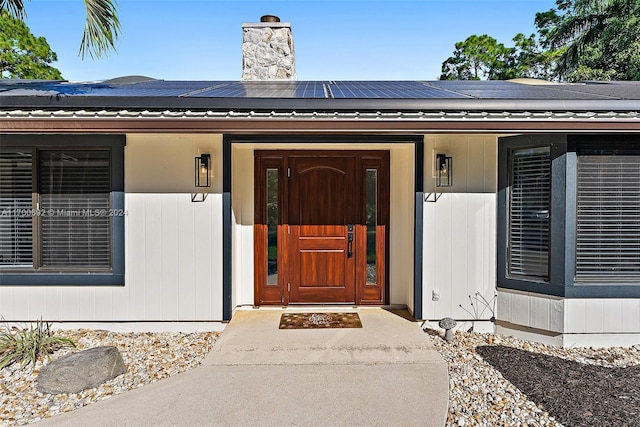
[574,393]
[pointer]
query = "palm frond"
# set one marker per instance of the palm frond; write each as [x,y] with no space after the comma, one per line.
[583,36]
[591,6]
[575,26]
[14,7]
[101,29]
[582,28]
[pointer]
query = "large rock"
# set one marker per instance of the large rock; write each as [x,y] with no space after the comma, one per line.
[78,371]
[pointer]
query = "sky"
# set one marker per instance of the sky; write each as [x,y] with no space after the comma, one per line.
[334,40]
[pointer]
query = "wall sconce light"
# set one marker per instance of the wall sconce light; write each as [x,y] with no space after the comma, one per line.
[203,170]
[444,176]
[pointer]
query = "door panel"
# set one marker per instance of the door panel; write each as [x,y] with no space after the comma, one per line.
[321,203]
[322,268]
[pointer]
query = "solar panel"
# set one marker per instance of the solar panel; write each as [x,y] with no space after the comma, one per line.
[527,93]
[441,89]
[387,89]
[125,91]
[311,89]
[174,84]
[267,89]
[470,84]
[495,89]
[20,87]
[156,88]
[150,89]
[611,90]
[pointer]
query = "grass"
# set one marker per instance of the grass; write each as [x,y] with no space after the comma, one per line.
[28,344]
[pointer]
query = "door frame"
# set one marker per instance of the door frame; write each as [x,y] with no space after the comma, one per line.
[365,294]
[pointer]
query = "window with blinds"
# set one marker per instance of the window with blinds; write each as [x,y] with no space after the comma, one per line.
[67,221]
[528,217]
[74,189]
[608,217]
[16,207]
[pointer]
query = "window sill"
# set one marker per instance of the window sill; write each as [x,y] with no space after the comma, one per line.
[62,279]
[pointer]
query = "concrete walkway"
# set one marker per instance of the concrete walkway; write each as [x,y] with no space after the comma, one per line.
[386,373]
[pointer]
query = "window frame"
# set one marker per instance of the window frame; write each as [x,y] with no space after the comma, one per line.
[563,216]
[73,276]
[615,153]
[509,230]
[506,145]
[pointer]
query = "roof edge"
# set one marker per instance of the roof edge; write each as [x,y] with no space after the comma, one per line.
[310,104]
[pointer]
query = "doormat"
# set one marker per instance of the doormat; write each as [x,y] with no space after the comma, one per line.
[319,320]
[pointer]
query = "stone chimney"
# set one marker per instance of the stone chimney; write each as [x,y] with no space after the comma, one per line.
[267,50]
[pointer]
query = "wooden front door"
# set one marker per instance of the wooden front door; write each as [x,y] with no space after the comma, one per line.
[321,227]
[322,216]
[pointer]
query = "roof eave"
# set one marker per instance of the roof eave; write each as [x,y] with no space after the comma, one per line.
[183,124]
[306,104]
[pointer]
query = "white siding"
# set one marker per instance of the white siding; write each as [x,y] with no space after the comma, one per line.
[604,316]
[175,257]
[543,312]
[569,322]
[460,226]
[630,312]
[459,253]
[570,315]
[173,247]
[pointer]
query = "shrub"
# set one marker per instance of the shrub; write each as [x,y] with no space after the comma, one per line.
[28,344]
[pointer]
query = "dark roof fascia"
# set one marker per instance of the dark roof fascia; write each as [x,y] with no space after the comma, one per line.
[162,103]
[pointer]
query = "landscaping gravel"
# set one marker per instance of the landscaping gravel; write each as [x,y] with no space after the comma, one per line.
[149,357]
[496,380]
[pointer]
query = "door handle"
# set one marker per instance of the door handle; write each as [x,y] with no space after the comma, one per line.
[349,240]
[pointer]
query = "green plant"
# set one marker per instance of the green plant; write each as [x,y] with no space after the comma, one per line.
[26,345]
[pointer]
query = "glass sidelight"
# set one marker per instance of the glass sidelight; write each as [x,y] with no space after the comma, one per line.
[375,223]
[371,210]
[267,236]
[272,226]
